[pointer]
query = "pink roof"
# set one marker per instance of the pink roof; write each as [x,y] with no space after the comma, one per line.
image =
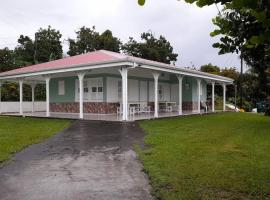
[87,58]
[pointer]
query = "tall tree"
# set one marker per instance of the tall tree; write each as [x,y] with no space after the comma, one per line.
[157,49]
[48,45]
[88,40]
[45,47]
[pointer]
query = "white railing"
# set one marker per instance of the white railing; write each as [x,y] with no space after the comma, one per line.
[12,106]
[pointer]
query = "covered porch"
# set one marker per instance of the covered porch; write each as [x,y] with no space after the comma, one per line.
[120,91]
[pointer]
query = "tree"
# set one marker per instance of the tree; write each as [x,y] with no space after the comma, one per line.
[151,48]
[46,47]
[243,33]
[108,42]
[245,28]
[209,68]
[88,40]
[7,61]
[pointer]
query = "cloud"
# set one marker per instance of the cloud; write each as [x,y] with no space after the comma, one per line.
[186,26]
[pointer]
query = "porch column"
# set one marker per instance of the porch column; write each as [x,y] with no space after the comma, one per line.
[33,85]
[224,97]
[0,98]
[124,73]
[156,75]
[21,95]
[180,80]
[199,94]
[47,79]
[81,77]
[213,96]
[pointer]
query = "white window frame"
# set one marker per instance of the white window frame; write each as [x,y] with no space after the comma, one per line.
[61,87]
[88,85]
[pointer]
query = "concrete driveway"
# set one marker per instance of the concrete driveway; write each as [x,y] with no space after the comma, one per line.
[89,160]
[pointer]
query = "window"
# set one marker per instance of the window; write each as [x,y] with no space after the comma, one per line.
[92,88]
[85,87]
[61,87]
[96,85]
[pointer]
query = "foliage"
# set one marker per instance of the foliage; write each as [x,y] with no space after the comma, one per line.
[88,40]
[209,68]
[222,156]
[244,26]
[46,47]
[17,133]
[238,28]
[7,61]
[157,49]
[10,92]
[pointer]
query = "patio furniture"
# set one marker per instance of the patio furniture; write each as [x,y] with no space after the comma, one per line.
[203,106]
[119,110]
[132,111]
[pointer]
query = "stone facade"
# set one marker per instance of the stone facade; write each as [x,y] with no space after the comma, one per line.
[88,107]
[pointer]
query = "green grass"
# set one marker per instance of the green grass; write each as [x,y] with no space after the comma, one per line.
[221,156]
[17,133]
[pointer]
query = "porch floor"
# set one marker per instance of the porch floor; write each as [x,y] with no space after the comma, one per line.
[102,117]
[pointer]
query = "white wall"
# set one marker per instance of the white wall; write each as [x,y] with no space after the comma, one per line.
[112,89]
[133,90]
[174,91]
[143,91]
[6,107]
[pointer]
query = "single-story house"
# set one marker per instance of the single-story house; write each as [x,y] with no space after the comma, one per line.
[113,86]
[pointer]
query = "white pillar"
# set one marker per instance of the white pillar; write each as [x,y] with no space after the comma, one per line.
[0,98]
[156,75]
[180,80]
[81,77]
[21,95]
[199,94]
[224,97]
[213,96]
[124,74]
[33,85]
[47,79]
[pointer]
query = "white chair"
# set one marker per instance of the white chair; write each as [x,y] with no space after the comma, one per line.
[119,110]
[169,108]
[132,111]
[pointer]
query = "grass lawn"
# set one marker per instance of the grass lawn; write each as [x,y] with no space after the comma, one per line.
[219,156]
[16,133]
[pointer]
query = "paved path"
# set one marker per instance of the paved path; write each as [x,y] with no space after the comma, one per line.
[90,160]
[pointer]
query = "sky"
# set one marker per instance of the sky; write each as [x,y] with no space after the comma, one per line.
[186,26]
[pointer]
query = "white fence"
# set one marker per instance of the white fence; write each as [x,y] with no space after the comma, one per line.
[12,107]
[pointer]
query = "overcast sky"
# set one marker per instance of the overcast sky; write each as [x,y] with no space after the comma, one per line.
[186,26]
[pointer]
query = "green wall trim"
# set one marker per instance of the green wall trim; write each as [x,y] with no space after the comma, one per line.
[188,94]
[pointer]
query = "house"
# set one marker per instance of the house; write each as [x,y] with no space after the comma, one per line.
[112,86]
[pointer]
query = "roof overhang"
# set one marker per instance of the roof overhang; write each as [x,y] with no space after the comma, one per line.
[121,63]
